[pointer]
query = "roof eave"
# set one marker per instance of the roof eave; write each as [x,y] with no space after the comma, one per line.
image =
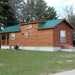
[9,32]
[46,28]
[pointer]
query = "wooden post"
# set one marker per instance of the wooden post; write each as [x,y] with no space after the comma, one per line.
[1,39]
[6,39]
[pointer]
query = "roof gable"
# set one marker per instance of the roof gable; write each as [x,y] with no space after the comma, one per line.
[11,29]
[50,23]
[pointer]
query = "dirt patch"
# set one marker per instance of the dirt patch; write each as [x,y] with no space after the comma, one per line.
[60,62]
[69,60]
[2,64]
[67,56]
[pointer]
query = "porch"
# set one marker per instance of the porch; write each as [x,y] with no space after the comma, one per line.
[4,39]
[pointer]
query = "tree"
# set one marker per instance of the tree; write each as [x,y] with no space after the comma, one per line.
[70,15]
[39,11]
[33,10]
[50,13]
[18,7]
[72,19]
[7,16]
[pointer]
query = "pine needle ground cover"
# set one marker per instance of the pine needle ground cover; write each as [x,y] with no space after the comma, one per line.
[23,62]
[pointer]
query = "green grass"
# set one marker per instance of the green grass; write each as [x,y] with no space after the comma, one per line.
[22,62]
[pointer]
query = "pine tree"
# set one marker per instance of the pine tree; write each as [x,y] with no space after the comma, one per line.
[40,10]
[50,13]
[7,16]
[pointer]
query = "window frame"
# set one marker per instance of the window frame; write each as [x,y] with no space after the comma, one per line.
[26,35]
[13,38]
[62,35]
[28,26]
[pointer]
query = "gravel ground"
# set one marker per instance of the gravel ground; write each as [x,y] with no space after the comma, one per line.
[71,72]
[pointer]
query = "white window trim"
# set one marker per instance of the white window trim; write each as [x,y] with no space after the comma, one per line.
[26,36]
[63,36]
[29,26]
[12,37]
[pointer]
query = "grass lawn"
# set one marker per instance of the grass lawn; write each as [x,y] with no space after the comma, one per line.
[22,62]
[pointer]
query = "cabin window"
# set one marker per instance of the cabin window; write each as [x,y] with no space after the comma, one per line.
[12,35]
[62,36]
[28,26]
[26,34]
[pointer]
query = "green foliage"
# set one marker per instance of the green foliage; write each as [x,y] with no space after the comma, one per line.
[50,13]
[40,10]
[7,17]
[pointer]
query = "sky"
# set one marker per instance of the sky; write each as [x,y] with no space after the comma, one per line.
[59,5]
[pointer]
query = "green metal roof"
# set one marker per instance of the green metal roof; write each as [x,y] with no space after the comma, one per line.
[50,23]
[11,29]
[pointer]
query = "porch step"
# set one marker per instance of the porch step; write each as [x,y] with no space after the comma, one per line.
[67,46]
